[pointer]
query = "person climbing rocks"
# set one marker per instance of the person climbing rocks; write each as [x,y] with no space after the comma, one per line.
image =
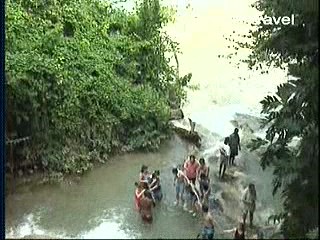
[155,186]
[224,156]
[249,198]
[204,183]
[203,168]
[238,232]
[138,195]
[208,223]
[146,207]
[179,183]
[191,166]
[234,143]
[206,194]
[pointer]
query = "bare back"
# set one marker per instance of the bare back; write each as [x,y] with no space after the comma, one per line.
[208,220]
[146,205]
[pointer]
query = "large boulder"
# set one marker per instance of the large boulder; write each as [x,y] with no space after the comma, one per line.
[192,137]
[176,114]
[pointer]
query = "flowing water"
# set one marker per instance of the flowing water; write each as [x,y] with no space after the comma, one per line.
[100,204]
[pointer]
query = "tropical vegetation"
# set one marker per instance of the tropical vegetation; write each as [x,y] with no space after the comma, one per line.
[291,115]
[86,79]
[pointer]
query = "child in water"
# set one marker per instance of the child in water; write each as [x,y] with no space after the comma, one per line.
[138,195]
[155,186]
[178,182]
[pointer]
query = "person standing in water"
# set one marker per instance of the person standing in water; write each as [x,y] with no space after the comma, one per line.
[146,207]
[144,176]
[238,233]
[224,156]
[179,183]
[208,225]
[138,195]
[234,143]
[204,182]
[155,186]
[203,168]
[191,167]
[248,199]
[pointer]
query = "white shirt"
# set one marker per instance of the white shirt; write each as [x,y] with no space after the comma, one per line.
[226,150]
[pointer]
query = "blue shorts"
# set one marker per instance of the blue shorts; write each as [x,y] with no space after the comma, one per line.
[207,233]
[180,187]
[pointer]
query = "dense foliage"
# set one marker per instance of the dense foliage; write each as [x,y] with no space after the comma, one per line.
[291,115]
[85,78]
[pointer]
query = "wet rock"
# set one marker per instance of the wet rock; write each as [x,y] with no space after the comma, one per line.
[38,237]
[216,204]
[176,114]
[192,137]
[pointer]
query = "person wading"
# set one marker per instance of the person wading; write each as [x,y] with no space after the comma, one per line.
[179,183]
[249,198]
[203,168]
[234,143]
[204,182]
[191,167]
[224,157]
[138,195]
[238,233]
[146,207]
[208,225]
[144,176]
[155,186]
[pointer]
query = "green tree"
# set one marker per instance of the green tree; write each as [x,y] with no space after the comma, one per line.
[292,113]
[86,79]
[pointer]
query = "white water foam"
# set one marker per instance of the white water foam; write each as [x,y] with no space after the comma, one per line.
[108,229]
[30,229]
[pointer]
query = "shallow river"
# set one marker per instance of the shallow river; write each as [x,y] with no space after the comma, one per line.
[100,204]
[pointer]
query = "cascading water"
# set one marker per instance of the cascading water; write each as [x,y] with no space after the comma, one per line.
[100,205]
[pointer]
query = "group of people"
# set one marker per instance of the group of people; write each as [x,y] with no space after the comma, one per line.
[192,184]
[195,200]
[148,192]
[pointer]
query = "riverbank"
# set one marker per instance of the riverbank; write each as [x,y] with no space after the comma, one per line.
[34,176]
[105,195]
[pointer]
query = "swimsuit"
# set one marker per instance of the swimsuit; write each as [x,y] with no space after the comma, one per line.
[207,232]
[137,201]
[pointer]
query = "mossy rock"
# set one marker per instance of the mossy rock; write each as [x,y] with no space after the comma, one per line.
[192,137]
